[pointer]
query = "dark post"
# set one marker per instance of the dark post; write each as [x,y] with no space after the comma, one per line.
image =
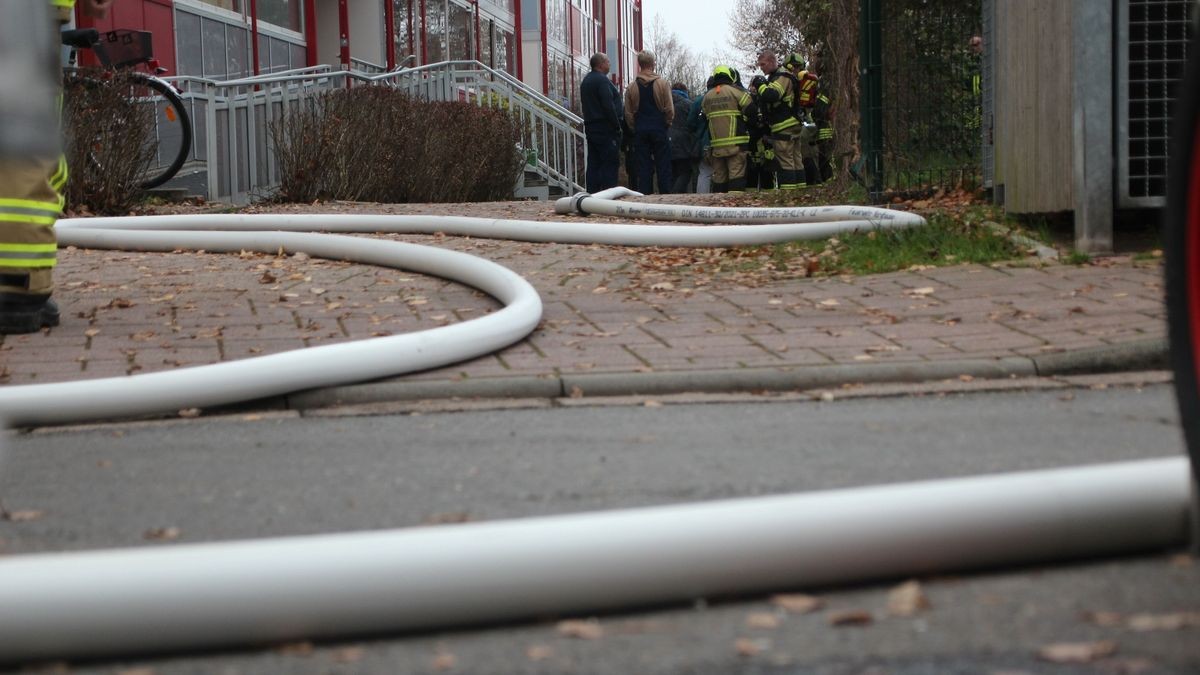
[870,55]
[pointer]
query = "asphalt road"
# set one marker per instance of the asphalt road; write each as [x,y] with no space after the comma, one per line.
[254,476]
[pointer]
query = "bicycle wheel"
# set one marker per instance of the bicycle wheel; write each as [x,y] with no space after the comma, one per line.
[172,127]
[1182,243]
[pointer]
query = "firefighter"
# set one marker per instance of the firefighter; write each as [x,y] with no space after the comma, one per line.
[808,85]
[778,98]
[728,108]
[31,185]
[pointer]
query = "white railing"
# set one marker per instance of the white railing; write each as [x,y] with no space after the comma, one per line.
[232,119]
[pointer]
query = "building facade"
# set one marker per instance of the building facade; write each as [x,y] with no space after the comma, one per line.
[544,43]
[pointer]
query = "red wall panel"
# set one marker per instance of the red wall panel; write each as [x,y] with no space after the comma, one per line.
[155,16]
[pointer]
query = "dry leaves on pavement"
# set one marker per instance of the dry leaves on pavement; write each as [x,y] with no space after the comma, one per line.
[1077,652]
[907,599]
[797,603]
[850,617]
[748,647]
[589,629]
[763,620]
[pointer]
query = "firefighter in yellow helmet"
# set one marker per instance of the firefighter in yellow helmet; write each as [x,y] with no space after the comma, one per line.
[31,185]
[778,98]
[808,85]
[728,109]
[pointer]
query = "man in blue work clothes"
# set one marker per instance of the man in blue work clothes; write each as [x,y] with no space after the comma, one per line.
[601,124]
[649,111]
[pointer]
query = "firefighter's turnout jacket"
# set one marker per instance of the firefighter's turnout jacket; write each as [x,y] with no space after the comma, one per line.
[30,202]
[728,109]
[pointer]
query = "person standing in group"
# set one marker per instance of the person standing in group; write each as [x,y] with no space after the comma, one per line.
[601,103]
[778,100]
[728,108]
[31,187]
[806,101]
[681,145]
[698,128]
[649,111]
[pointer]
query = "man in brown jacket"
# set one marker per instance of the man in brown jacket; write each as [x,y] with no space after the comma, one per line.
[649,111]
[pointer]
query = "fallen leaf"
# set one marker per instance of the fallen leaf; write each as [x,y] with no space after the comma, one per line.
[300,256]
[907,599]
[663,286]
[576,392]
[966,378]
[1144,623]
[775,301]
[762,620]
[653,404]
[295,649]
[829,303]
[21,516]
[92,332]
[1182,560]
[267,278]
[600,289]
[850,617]
[539,653]
[924,290]
[448,518]
[1103,618]
[189,413]
[348,655]
[444,661]
[162,534]
[1077,652]
[747,647]
[582,630]
[318,291]
[797,603]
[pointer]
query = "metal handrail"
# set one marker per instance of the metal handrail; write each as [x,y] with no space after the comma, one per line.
[500,74]
[241,160]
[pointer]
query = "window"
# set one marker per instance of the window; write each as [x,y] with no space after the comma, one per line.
[435,31]
[282,13]
[462,46]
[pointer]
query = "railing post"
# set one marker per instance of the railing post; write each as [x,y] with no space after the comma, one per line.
[210,142]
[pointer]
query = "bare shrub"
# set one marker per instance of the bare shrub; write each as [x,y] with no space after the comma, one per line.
[108,137]
[378,144]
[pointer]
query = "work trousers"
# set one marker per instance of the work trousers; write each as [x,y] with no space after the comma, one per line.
[653,150]
[788,151]
[603,161]
[729,168]
[29,206]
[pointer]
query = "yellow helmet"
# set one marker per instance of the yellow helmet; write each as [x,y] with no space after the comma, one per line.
[723,71]
[794,62]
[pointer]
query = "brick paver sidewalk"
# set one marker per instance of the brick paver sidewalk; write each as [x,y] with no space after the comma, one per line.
[127,313]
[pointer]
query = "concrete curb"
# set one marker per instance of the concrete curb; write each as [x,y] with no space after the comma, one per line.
[1142,355]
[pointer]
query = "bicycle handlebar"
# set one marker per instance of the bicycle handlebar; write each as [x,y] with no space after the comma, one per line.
[81,38]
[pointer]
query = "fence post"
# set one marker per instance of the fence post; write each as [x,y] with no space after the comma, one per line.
[210,142]
[870,56]
[1092,124]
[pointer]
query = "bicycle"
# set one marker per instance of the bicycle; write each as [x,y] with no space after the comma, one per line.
[120,53]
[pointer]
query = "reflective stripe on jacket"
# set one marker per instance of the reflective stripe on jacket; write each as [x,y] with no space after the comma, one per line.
[778,100]
[726,107]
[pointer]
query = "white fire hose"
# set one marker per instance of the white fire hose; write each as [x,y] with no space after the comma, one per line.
[106,603]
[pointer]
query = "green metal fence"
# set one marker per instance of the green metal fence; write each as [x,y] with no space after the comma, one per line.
[920,92]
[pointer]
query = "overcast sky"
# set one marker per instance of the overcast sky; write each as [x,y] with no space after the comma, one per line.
[702,25]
